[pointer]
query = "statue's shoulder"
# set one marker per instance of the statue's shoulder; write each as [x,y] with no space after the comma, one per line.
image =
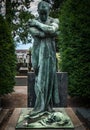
[54,20]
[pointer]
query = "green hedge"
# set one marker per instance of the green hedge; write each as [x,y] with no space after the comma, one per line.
[7,59]
[75,45]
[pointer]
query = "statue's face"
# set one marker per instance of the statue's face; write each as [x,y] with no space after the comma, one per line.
[43,14]
[43,10]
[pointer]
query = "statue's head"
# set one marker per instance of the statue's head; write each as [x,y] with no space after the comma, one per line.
[43,10]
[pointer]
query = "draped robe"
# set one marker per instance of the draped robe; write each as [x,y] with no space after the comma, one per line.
[44,60]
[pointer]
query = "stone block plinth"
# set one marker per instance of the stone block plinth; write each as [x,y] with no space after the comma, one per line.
[62,87]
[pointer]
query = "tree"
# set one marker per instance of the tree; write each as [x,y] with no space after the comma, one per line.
[7,47]
[75,45]
[17,15]
[55,10]
[20,25]
[57,4]
[7,58]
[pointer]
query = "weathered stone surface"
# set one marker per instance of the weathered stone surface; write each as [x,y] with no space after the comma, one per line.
[31,93]
[77,124]
[62,85]
[20,80]
[84,113]
[40,121]
[13,119]
[0,102]
[23,70]
[11,124]
[3,114]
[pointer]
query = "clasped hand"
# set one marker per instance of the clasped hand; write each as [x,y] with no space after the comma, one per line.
[32,22]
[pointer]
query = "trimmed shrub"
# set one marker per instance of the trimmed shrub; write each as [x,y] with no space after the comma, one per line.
[74,45]
[7,59]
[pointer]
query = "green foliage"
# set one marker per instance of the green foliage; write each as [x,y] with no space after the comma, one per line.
[22,29]
[56,8]
[17,16]
[7,58]
[57,4]
[75,45]
[54,13]
[9,12]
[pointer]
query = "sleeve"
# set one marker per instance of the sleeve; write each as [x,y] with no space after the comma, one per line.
[36,32]
[52,28]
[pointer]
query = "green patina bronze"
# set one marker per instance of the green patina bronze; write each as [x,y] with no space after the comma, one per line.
[58,119]
[44,30]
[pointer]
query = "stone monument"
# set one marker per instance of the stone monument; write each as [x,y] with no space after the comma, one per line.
[44,29]
[62,79]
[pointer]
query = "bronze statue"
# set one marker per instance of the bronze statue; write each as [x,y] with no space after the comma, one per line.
[44,30]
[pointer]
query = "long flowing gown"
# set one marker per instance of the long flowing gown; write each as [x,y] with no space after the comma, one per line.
[44,59]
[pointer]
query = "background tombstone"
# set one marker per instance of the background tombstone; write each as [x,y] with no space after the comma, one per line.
[62,84]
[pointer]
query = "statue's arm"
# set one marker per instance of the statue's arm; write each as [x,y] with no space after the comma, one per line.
[50,29]
[36,32]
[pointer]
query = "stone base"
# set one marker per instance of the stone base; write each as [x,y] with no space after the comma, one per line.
[23,123]
[62,78]
[0,103]
[84,114]
[20,80]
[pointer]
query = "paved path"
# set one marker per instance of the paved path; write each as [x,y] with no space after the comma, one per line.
[16,99]
[20,90]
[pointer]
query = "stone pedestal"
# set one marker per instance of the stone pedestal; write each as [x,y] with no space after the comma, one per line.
[0,102]
[42,120]
[12,122]
[20,80]
[62,84]
[84,114]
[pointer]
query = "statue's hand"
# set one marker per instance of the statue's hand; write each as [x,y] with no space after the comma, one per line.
[32,22]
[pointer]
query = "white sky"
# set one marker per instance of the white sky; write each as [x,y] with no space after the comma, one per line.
[23,46]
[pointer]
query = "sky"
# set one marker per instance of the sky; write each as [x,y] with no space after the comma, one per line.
[33,8]
[23,46]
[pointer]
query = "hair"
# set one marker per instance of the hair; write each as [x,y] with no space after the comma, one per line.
[43,4]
